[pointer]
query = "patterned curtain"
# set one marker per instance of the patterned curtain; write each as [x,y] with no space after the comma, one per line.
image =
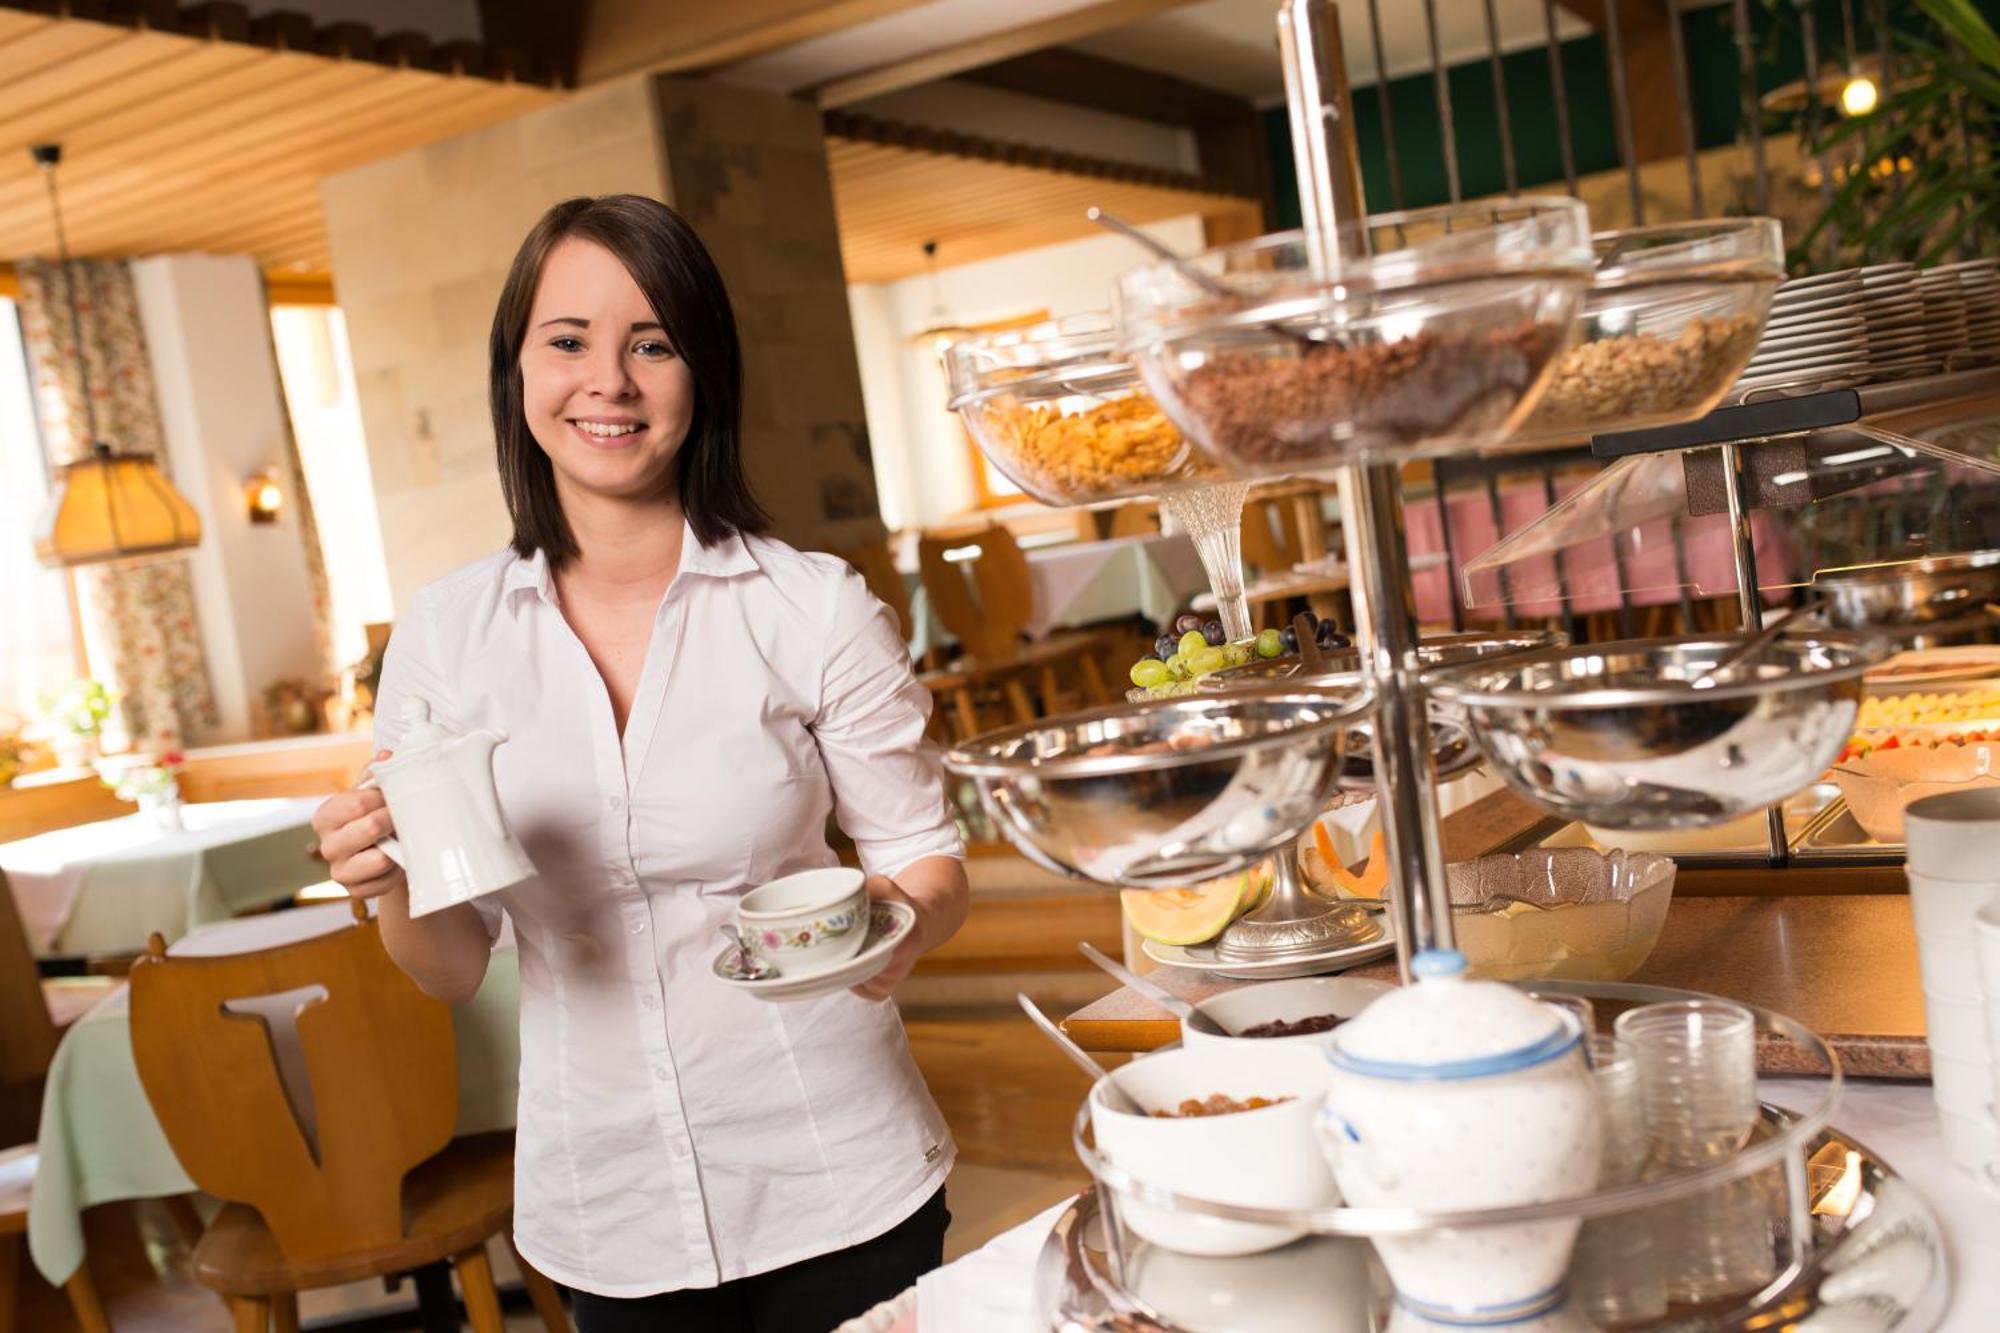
[144,612]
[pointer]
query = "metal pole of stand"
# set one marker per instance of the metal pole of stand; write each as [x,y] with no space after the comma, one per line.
[1330,203]
[1743,546]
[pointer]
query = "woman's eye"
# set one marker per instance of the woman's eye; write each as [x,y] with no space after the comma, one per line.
[652,347]
[566,344]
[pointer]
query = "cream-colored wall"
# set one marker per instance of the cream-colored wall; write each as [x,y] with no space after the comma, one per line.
[224,419]
[420,244]
[921,462]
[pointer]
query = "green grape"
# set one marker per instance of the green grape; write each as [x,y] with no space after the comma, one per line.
[1207,660]
[1177,666]
[1239,653]
[1270,643]
[1150,671]
[1193,642]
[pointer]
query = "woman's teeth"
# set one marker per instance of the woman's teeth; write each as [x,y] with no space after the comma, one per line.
[605,431]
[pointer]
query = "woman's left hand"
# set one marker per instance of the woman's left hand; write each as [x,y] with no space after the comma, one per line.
[935,889]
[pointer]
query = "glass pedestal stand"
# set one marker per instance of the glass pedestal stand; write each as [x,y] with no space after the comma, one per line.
[1212,516]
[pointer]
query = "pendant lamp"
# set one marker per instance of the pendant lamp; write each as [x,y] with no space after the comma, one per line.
[108,505]
[942,330]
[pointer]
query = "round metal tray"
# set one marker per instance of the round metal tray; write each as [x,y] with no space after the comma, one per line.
[1839,1207]
[1875,1264]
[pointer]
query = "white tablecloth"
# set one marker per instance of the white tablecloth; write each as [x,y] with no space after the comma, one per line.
[1081,583]
[992,1290]
[104,887]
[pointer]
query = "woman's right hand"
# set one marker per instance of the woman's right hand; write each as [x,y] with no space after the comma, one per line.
[349,825]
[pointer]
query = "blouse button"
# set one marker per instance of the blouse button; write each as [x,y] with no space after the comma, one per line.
[639,926]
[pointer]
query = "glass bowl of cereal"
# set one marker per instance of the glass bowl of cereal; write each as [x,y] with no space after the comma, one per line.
[1673,315]
[1432,333]
[1064,416]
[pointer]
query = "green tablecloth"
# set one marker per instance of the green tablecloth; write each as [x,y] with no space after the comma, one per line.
[100,1141]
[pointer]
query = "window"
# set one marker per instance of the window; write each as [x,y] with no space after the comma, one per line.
[318,376]
[40,651]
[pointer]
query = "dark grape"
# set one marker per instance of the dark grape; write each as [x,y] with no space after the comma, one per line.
[1186,623]
[1290,637]
[1165,646]
[1212,631]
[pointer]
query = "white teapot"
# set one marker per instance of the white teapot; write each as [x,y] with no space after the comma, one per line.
[1449,1095]
[452,840]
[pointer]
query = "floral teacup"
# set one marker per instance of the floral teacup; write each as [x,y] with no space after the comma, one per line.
[805,922]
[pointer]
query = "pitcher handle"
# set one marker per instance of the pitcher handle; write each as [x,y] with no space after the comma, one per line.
[391,847]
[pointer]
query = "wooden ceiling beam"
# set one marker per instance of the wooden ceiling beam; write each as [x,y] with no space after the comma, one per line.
[947,61]
[623,37]
[1077,78]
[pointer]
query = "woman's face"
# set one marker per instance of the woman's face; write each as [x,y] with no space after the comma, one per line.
[605,394]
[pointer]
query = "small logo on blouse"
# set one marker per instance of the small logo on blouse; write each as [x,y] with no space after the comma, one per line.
[931,1153]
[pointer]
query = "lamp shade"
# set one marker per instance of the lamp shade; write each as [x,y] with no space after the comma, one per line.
[113,506]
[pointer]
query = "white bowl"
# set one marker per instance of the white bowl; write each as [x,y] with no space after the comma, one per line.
[1957,1027]
[808,921]
[1319,1285]
[1971,1141]
[1301,997]
[1949,966]
[1964,1086]
[1266,1158]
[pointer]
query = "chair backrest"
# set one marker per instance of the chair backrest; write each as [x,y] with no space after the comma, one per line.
[1140,518]
[381,1061]
[878,567]
[27,1034]
[1270,535]
[985,596]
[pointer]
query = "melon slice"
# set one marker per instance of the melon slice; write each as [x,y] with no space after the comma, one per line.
[1262,876]
[1374,876]
[1185,916]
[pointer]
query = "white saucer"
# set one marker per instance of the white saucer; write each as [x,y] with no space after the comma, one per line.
[888,923]
[1201,958]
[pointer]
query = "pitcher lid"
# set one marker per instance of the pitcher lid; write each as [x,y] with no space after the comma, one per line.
[420,733]
[1446,1027]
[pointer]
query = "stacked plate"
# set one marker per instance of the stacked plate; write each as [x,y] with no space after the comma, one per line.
[1816,333]
[1944,311]
[1979,284]
[1892,310]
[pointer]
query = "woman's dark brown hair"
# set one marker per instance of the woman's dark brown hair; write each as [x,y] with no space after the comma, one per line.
[674,270]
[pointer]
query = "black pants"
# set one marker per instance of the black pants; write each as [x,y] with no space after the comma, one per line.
[811,1296]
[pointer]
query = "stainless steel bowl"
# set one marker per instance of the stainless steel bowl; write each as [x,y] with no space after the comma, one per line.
[1911,592]
[1165,792]
[1622,735]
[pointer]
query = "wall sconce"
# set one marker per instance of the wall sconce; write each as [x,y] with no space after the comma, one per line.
[263,497]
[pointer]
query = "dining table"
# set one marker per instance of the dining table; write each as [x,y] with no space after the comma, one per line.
[1155,575]
[106,887]
[100,1141]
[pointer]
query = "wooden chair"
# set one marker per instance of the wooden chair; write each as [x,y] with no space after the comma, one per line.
[986,601]
[379,1186]
[33,1016]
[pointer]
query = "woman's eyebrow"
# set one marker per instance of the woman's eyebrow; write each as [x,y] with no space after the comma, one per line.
[638,326]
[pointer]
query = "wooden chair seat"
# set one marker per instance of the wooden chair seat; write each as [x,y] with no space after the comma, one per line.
[70,998]
[451,1204]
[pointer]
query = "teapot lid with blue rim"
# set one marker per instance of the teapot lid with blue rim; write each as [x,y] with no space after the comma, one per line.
[1446,1025]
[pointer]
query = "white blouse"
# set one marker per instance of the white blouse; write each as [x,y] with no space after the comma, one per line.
[673,1132]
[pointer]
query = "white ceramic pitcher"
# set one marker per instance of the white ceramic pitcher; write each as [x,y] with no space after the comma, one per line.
[451,837]
[1453,1094]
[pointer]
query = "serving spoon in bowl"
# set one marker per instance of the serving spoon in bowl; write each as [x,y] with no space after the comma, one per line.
[1153,991]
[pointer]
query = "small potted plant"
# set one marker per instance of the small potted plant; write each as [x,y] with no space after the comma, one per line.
[77,717]
[152,782]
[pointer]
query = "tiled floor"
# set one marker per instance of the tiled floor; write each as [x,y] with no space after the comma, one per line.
[1007,1094]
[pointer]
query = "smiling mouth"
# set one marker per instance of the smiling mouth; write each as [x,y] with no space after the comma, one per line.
[608,430]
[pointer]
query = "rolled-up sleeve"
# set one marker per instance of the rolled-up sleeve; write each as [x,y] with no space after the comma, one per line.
[888,784]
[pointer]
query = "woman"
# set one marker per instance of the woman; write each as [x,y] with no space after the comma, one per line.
[686,702]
